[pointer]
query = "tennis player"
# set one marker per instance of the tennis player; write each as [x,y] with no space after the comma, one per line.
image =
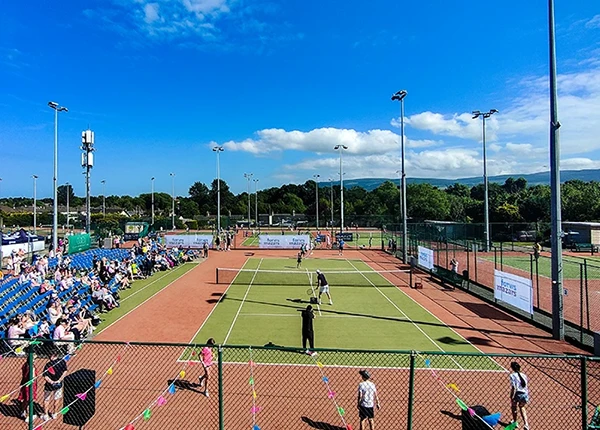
[299,260]
[308,333]
[323,286]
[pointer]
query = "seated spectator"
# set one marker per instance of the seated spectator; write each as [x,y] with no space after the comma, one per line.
[63,332]
[122,281]
[55,311]
[79,324]
[15,331]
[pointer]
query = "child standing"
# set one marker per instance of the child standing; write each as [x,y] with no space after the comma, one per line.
[519,393]
[207,360]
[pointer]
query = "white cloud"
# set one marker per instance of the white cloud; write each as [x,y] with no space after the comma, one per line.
[594,22]
[579,164]
[151,12]
[456,125]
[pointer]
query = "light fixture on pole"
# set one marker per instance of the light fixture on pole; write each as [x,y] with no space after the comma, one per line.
[103,182]
[173,198]
[486,203]
[558,323]
[68,195]
[218,150]
[57,109]
[248,176]
[34,203]
[317,198]
[152,187]
[341,148]
[399,96]
[255,202]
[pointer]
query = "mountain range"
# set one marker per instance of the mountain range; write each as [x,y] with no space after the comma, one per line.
[541,178]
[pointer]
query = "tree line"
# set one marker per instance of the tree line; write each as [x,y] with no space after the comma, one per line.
[511,202]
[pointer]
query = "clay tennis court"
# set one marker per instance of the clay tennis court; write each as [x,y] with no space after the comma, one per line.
[294,396]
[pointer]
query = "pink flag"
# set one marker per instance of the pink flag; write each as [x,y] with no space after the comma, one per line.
[161,401]
[81,396]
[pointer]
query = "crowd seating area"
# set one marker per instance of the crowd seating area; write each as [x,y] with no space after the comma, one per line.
[80,285]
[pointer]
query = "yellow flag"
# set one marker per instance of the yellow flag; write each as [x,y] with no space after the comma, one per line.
[454,387]
[253,394]
[19,350]
[320,364]
[109,371]
[182,374]
[4,398]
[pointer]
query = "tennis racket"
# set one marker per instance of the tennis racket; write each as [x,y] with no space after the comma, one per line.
[310,292]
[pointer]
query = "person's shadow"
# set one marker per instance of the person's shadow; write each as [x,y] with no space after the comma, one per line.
[11,410]
[183,384]
[321,425]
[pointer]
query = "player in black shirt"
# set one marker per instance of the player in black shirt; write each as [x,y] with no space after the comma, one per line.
[54,373]
[308,333]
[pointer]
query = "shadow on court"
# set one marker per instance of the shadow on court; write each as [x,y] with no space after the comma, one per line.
[321,425]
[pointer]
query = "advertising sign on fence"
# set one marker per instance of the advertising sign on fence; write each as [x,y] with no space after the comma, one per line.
[514,290]
[194,241]
[425,257]
[282,242]
[347,237]
[79,243]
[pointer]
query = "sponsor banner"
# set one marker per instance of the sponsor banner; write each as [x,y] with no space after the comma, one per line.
[184,241]
[287,241]
[347,237]
[79,243]
[33,246]
[514,290]
[426,257]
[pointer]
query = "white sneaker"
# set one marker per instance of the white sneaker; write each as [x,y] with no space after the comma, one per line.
[307,352]
[45,417]
[314,354]
[330,302]
[206,393]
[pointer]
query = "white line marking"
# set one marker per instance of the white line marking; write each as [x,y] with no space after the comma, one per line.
[402,312]
[243,300]
[149,298]
[324,316]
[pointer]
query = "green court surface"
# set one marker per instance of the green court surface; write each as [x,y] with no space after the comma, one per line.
[369,313]
[571,266]
[360,239]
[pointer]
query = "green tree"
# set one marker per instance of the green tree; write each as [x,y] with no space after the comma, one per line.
[427,202]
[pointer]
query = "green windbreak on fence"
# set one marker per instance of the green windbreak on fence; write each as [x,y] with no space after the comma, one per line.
[79,243]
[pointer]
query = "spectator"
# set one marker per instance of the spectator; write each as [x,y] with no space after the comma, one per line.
[367,400]
[519,393]
[53,386]
[55,311]
[62,332]
[15,331]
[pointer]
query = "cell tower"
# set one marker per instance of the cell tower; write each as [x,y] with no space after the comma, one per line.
[87,162]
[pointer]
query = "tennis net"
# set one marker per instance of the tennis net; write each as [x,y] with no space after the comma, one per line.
[304,278]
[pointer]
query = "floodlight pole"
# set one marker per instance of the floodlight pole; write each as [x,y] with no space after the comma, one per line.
[152,187]
[317,198]
[68,218]
[57,109]
[400,95]
[218,150]
[256,202]
[341,148]
[331,200]
[34,203]
[248,176]
[558,329]
[103,182]
[173,198]
[486,198]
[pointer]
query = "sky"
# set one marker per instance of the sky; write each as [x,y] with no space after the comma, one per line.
[279,83]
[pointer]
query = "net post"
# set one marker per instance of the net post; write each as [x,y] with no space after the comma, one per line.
[217,274]
[410,277]
[411,391]
[220,377]
[584,389]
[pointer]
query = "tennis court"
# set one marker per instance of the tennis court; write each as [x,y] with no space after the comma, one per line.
[263,301]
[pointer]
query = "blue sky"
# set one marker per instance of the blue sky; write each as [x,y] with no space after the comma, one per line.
[279,83]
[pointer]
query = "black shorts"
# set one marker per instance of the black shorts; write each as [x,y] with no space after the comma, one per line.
[365,413]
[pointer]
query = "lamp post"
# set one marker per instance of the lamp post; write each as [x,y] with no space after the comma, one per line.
[34,203]
[173,198]
[103,182]
[152,187]
[68,192]
[218,150]
[256,202]
[317,198]
[87,162]
[558,328]
[341,148]
[399,173]
[400,95]
[57,109]
[248,176]
[486,210]
[331,200]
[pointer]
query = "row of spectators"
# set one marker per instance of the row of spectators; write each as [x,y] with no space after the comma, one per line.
[74,317]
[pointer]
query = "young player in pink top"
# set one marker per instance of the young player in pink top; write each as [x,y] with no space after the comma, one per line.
[206,356]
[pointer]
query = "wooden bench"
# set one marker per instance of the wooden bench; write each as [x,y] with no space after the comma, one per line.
[584,247]
[447,277]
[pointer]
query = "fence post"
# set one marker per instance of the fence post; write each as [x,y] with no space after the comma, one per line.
[411,391]
[587,293]
[31,410]
[584,389]
[501,257]
[220,374]
[581,303]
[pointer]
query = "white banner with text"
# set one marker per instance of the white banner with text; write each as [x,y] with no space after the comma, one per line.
[184,241]
[285,241]
[425,257]
[514,290]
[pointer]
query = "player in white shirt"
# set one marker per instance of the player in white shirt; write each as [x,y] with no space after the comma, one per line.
[367,400]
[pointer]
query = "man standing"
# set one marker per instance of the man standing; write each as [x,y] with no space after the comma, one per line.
[308,333]
[54,374]
[323,286]
[367,400]
[341,246]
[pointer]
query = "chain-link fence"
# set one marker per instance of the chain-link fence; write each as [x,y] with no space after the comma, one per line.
[161,386]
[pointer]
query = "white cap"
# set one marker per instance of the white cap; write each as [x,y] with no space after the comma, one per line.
[318,271]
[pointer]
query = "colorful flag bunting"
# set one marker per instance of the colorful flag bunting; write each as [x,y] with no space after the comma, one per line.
[161,401]
[147,414]
[182,374]
[81,396]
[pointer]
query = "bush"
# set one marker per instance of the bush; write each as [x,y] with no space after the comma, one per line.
[192,224]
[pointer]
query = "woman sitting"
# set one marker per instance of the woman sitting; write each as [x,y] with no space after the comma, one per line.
[63,332]
[15,331]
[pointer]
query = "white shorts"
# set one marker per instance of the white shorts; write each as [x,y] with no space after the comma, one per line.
[56,395]
[324,289]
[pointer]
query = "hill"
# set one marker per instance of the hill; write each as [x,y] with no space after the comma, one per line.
[542,178]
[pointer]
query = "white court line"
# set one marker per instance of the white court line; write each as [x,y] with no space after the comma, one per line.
[345,366]
[243,300]
[153,282]
[151,297]
[324,316]
[313,290]
[402,312]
